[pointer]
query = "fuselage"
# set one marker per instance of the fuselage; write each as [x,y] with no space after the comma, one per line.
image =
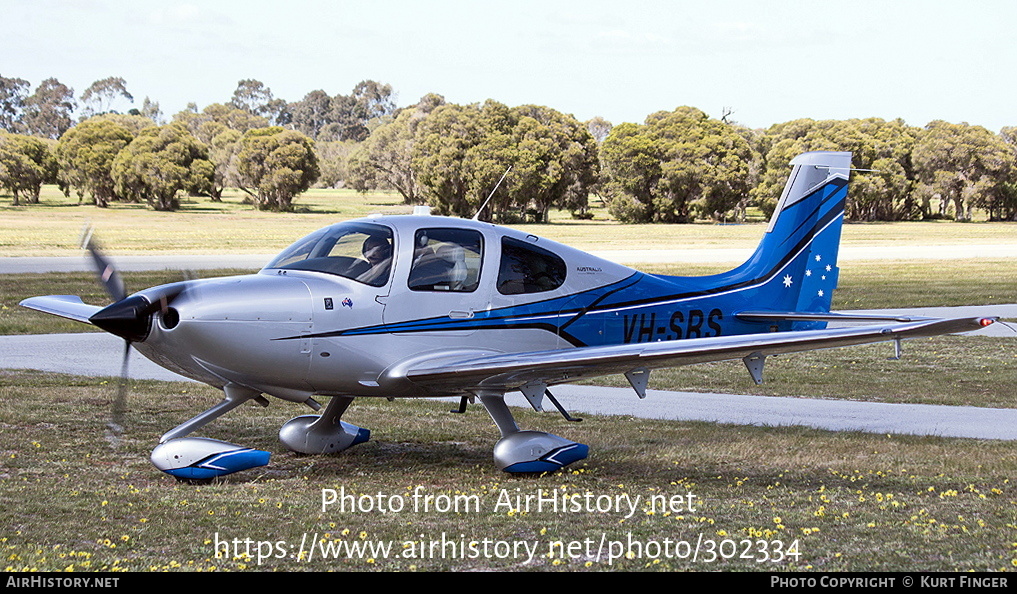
[330,316]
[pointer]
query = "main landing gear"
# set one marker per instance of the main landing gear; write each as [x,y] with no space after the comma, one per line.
[517,451]
[528,451]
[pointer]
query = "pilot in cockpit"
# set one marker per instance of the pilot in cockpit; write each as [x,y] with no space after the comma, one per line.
[378,252]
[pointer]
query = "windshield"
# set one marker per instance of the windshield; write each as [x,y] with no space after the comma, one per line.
[357,251]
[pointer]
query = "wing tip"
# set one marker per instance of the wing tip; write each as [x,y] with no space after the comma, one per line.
[65,306]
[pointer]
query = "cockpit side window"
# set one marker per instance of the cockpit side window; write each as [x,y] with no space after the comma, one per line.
[446,260]
[357,251]
[528,269]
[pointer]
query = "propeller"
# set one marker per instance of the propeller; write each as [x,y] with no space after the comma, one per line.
[108,276]
[129,318]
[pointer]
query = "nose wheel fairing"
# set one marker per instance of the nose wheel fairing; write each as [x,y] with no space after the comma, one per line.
[200,458]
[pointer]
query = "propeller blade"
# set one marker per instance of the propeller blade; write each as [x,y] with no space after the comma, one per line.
[116,423]
[104,269]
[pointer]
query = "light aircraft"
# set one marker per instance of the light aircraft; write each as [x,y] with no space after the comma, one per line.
[425,306]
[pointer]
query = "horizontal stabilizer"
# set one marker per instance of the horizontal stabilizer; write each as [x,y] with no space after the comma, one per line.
[65,306]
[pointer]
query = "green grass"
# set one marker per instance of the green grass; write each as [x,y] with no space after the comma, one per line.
[52,228]
[847,501]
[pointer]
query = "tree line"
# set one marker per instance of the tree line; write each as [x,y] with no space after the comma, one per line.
[677,166]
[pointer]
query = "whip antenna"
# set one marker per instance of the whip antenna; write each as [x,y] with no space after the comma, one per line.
[481,209]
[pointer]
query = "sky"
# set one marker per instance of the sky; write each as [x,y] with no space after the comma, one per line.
[765,61]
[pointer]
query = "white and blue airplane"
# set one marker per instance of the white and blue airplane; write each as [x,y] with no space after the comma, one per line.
[427,306]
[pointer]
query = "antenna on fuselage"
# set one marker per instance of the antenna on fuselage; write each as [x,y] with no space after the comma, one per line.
[481,209]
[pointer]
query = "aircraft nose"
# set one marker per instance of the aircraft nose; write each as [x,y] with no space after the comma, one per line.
[128,318]
[131,318]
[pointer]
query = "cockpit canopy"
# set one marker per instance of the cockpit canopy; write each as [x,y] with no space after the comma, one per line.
[353,250]
[442,257]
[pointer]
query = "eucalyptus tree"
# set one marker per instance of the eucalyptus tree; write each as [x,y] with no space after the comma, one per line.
[385,159]
[458,154]
[255,98]
[150,109]
[48,110]
[216,117]
[599,128]
[274,165]
[461,153]
[25,164]
[354,116]
[1004,207]
[160,164]
[312,113]
[334,159]
[133,122]
[221,127]
[13,92]
[85,156]
[102,96]
[556,161]
[676,166]
[964,166]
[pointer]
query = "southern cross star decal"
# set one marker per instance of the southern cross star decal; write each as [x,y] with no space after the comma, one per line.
[789,279]
[809,276]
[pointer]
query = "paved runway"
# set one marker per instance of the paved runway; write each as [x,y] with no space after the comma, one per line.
[96,354]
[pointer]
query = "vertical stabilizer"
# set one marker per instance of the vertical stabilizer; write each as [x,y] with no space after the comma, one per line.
[797,258]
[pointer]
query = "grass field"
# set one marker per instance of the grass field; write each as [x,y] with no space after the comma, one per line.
[232,227]
[74,496]
[751,498]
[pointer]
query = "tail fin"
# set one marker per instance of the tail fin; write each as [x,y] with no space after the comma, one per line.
[796,262]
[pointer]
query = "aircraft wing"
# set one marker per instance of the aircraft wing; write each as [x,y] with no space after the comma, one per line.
[532,371]
[65,306]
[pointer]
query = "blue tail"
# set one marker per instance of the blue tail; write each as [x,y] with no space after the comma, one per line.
[794,269]
[796,262]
